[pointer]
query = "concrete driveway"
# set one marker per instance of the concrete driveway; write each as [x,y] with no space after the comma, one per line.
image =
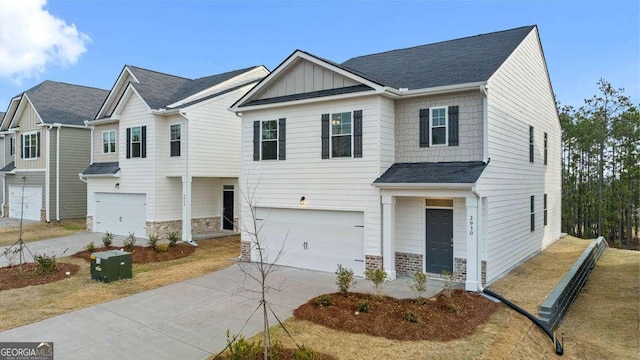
[187,320]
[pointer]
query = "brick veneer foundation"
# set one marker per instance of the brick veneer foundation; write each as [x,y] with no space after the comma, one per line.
[408,263]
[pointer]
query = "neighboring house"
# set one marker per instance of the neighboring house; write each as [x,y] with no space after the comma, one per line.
[46,145]
[166,154]
[441,157]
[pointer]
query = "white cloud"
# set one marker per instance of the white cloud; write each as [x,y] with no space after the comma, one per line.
[31,38]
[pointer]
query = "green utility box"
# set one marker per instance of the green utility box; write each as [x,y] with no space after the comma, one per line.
[112,265]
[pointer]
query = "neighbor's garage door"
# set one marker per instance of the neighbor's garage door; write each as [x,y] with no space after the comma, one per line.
[120,214]
[26,201]
[315,239]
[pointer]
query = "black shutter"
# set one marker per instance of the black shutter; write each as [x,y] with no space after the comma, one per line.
[128,143]
[282,139]
[22,146]
[424,127]
[143,140]
[325,136]
[256,140]
[357,134]
[453,125]
[38,142]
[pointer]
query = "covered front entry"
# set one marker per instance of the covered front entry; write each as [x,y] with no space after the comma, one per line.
[439,240]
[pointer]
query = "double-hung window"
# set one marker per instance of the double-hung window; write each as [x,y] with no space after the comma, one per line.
[530,143]
[175,139]
[269,140]
[438,125]
[341,135]
[109,142]
[30,145]
[533,213]
[136,142]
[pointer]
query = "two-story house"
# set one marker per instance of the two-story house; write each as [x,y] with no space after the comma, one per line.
[46,145]
[166,154]
[441,157]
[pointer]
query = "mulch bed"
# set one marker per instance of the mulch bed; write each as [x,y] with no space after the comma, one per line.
[144,255]
[439,318]
[13,278]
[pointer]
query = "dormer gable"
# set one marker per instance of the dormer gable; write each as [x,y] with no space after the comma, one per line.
[117,91]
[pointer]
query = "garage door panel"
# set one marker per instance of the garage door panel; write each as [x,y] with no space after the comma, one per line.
[313,239]
[25,202]
[120,213]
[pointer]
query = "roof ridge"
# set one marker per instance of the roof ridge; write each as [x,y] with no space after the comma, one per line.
[158,72]
[59,82]
[441,42]
[230,71]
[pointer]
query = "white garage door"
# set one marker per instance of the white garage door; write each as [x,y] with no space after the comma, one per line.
[25,201]
[120,213]
[315,239]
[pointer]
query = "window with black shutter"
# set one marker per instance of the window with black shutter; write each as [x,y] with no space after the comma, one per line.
[137,142]
[175,133]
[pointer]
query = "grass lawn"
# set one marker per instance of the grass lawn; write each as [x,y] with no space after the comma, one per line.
[39,231]
[34,303]
[509,335]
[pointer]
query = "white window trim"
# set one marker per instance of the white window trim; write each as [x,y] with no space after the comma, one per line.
[276,139]
[22,142]
[131,142]
[446,126]
[331,135]
[115,139]
[179,140]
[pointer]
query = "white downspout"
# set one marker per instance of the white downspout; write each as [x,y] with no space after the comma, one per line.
[186,187]
[480,231]
[47,178]
[58,172]
[485,123]
[4,194]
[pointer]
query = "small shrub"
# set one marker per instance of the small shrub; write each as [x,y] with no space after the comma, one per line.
[161,247]
[173,238]
[241,349]
[107,239]
[276,350]
[454,308]
[364,306]
[324,300]
[153,240]
[410,317]
[46,263]
[91,247]
[304,353]
[449,279]
[344,279]
[377,277]
[129,242]
[418,284]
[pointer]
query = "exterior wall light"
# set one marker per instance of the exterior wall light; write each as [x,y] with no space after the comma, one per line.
[303,201]
[117,185]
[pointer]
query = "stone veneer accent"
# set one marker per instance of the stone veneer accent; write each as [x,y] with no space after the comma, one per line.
[407,263]
[6,210]
[372,262]
[89,223]
[460,269]
[245,251]
[43,215]
[198,226]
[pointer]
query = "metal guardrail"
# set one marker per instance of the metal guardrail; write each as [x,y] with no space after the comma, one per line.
[557,304]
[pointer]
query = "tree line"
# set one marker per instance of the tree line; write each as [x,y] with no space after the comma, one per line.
[601,167]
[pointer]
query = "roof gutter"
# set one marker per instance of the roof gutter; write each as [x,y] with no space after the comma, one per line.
[165,112]
[423,185]
[109,120]
[396,93]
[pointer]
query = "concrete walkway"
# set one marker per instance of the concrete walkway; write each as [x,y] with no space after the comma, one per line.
[187,320]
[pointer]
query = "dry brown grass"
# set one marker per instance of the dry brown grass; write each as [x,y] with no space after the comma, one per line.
[604,321]
[529,284]
[39,231]
[27,305]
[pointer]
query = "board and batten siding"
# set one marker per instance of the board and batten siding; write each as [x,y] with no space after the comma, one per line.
[28,122]
[7,157]
[98,155]
[520,96]
[329,184]
[470,132]
[305,77]
[75,145]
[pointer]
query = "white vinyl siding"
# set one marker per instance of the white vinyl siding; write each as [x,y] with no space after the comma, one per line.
[340,184]
[98,155]
[520,96]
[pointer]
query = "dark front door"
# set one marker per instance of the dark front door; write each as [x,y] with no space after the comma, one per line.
[227,211]
[439,240]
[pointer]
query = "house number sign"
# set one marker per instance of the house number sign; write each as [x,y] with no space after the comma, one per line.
[471,225]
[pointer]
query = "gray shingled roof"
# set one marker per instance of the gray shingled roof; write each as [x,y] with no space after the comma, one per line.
[433,173]
[159,90]
[309,95]
[67,104]
[459,61]
[9,167]
[104,168]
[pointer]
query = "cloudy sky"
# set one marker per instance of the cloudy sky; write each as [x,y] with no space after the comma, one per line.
[89,42]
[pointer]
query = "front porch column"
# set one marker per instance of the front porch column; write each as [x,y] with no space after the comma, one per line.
[186,209]
[389,235]
[471,284]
